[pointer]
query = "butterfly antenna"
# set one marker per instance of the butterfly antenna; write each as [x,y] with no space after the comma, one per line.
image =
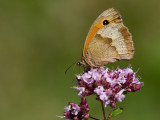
[73,70]
[69,67]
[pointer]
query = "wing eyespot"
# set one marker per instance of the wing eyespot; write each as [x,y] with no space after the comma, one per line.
[105,22]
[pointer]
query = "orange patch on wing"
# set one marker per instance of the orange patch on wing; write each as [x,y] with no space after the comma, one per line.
[89,38]
[91,34]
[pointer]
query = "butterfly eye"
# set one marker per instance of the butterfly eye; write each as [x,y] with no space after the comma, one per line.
[105,22]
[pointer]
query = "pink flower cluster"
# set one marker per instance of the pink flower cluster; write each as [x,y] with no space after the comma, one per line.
[110,86]
[77,112]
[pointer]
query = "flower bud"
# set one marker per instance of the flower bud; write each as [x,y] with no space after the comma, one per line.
[86,116]
[113,105]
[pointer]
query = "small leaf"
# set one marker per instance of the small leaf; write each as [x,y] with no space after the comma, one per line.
[116,112]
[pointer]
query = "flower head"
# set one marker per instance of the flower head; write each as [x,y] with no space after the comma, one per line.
[76,112]
[108,85]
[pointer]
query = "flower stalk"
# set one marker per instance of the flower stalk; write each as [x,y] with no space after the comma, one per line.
[110,113]
[103,110]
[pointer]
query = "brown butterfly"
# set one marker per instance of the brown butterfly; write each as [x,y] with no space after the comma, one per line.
[108,41]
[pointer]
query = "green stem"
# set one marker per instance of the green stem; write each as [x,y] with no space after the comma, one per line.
[110,113]
[104,115]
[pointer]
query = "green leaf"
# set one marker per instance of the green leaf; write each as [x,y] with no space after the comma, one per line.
[116,112]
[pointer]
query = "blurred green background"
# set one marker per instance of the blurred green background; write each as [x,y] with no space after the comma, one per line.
[39,39]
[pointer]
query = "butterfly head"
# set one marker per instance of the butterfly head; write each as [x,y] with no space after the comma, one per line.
[82,62]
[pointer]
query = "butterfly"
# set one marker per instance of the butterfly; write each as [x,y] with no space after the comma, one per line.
[108,41]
